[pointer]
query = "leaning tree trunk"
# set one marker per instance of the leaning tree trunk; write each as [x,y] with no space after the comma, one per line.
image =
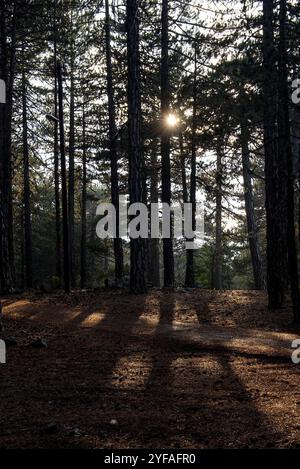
[259,281]
[26,181]
[286,156]
[168,254]
[118,248]
[276,239]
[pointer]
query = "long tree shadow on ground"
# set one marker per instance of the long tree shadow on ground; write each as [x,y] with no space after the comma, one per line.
[123,389]
[198,398]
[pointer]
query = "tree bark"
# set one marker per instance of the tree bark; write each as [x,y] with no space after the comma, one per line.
[26,182]
[5,277]
[83,206]
[154,257]
[7,73]
[138,282]
[183,170]
[190,271]
[66,243]
[56,158]
[118,247]
[168,254]
[276,238]
[286,156]
[218,252]
[259,281]
[71,169]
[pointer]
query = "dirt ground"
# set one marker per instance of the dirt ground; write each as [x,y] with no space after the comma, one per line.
[183,369]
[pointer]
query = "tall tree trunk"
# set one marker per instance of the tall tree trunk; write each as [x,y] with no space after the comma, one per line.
[154,257]
[138,282]
[22,256]
[259,281]
[71,169]
[276,252]
[285,155]
[5,277]
[218,253]
[56,158]
[190,271]
[26,177]
[118,248]
[66,243]
[7,74]
[183,170]
[83,206]
[8,177]
[168,254]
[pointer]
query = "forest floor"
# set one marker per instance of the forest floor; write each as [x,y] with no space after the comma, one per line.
[182,369]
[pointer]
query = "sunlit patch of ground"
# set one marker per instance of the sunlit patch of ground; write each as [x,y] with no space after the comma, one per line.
[184,369]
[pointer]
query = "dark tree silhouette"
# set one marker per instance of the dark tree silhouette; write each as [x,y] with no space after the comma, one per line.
[276,237]
[168,255]
[118,248]
[138,282]
[26,178]
[66,244]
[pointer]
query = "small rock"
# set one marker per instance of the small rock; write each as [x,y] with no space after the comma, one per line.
[114,422]
[10,341]
[39,343]
[75,432]
[51,429]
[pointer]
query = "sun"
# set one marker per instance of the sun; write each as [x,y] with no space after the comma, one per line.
[171,120]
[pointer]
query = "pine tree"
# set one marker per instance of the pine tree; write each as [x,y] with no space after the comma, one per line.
[137,246]
[168,255]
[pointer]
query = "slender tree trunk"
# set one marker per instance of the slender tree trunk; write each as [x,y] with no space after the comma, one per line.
[299,191]
[259,281]
[83,206]
[190,271]
[154,258]
[118,248]
[71,169]
[8,177]
[23,263]
[56,160]
[183,170]
[26,178]
[285,154]
[138,282]
[276,252]
[218,253]
[168,254]
[5,278]
[66,243]
[7,71]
